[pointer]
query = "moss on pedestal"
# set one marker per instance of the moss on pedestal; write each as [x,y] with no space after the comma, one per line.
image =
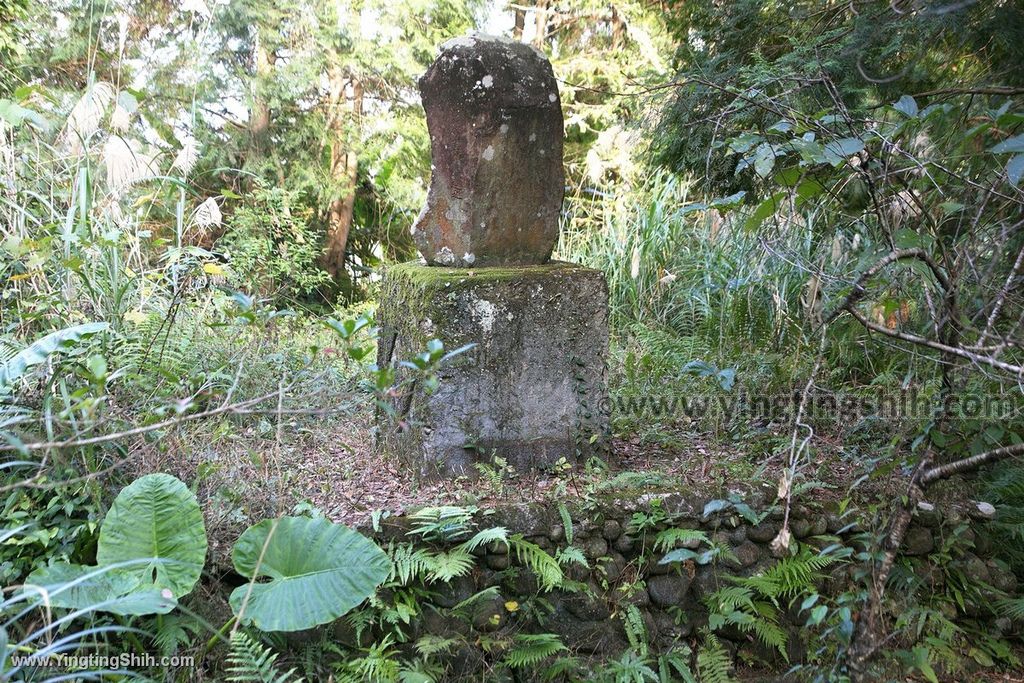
[531,390]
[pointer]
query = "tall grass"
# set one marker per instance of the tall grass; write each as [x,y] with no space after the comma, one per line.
[692,283]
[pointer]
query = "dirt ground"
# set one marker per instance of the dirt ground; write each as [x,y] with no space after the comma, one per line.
[254,471]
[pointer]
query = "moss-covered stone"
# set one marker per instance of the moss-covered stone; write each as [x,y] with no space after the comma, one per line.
[531,391]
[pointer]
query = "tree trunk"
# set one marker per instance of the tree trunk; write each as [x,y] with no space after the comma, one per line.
[346,106]
[259,115]
[517,31]
[618,30]
[540,24]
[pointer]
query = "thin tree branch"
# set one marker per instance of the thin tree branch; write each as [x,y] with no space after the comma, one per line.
[859,290]
[922,341]
[138,431]
[971,463]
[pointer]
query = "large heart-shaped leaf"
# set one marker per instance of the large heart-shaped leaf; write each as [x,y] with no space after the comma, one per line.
[97,588]
[156,519]
[318,571]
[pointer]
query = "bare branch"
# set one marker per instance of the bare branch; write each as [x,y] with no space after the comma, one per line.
[859,290]
[144,429]
[971,463]
[938,346]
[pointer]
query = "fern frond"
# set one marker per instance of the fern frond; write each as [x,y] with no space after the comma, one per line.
[251,662]
[443,523]
[362,619]
[409,563]
[419,671]
[632,667]
[772,635]
[636,630]
[447,566]
[549,573]
[378,664]
[566,668]
[563,512]
[713,661]
[571,554]
[789,576]
[484,537]
[675,665]
[489,592]
[730,598]
[430,645]
[174,631]
[1011,607]
[531,649]
[736,606]
[687,538]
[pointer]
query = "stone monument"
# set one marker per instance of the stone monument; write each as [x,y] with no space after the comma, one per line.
[533,388]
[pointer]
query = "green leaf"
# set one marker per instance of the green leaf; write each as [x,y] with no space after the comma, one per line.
[729,202]
[127,101]
[1014,144]
[1015,169]
[837,151]
[906,105]
[764,160]
[981,657]
[810,151]
[744,142]
[763,210]
[156,518]
[817,615]
[678,555]
[923,664]
[318,571]
[715,506]
[104,589]
[789,177]
[39,351]
[15,114]
[807,190]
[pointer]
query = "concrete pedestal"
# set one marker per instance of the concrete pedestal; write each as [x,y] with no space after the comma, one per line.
[532,391]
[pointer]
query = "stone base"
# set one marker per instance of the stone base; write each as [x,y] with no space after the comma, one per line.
[532,391]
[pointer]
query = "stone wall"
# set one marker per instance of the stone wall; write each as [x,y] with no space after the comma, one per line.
[669,596]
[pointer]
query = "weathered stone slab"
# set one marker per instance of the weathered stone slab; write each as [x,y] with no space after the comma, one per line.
[532,390]
[497,183]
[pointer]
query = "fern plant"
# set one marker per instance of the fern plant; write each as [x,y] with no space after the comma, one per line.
[670,538]
[528,650]
[252,662]
[789,577]
[738,606]
[563,512]
[753,604]
[174,631]
[548,571]
[630,667]
[675,665]
[713,662]
[636,630]
[444,523]
[378,663]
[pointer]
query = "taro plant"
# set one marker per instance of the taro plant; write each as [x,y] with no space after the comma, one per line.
[316,572]
[150,553]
